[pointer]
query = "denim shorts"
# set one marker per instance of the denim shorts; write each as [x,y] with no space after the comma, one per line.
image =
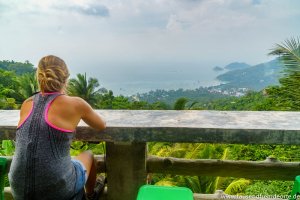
[81,176]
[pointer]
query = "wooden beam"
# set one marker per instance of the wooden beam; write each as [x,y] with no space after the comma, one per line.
[243,127]
[126,170]
[261,170]
[269,169]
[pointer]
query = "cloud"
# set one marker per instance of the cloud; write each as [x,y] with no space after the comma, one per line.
[256,2]
[2,6]
[174,24]
[49,6]
[91,9]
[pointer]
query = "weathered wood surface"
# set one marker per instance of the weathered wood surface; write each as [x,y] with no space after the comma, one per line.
[126,169]
[245,127]
[257,170]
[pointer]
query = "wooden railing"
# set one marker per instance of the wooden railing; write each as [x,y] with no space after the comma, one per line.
[127,133]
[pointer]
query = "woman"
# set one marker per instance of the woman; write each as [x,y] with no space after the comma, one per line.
[42,167]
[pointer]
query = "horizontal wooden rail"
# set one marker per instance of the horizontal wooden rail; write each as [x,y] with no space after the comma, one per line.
[270,169]
[244,127]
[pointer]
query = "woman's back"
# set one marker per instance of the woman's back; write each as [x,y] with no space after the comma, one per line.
[64,111]
[42,162]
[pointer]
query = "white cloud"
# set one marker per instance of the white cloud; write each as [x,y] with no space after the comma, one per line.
[174,24]
[49,7]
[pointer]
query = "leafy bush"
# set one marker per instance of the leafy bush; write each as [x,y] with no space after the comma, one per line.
[7,148]
[270,188]
[79,146]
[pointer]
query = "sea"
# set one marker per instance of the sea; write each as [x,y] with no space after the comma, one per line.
[128,84]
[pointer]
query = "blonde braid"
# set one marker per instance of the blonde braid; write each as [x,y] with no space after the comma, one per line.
[52,74]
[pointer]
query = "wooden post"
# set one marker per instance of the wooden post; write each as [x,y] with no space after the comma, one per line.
[126,169]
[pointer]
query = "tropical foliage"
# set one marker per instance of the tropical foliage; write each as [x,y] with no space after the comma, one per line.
[17,82]
[203,94]
[199,184]
[85,88]
[28,85]
[287,95]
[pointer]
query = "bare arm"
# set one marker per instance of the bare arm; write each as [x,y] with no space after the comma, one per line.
[25,110]
[89,116]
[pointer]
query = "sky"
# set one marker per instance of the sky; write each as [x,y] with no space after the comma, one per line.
[132,43]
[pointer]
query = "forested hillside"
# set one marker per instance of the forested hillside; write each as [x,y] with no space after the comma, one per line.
[253,77]
[203,94]
[18,67]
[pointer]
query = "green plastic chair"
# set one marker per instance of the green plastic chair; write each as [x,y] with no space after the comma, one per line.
[2,176]
[296,189]
[154,192]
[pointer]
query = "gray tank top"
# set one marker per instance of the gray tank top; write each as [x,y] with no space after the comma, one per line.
[41,167]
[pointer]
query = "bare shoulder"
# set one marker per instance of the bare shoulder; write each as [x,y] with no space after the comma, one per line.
[27,103]
[30,99]
[85,111]
[26,106]
[71,100]
[76,104]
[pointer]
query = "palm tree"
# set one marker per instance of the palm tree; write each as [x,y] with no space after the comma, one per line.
[288,93]
[182,104]
[27,85]
[86,89]
[289,54]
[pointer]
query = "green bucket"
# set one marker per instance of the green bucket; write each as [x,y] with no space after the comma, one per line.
[296,189]
[2,176]
[154,192]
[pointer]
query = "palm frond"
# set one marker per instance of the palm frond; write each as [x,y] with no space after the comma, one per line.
[220,180]
[86,89]
[192,104]
[237,186]
[207,184]
[289,54]
[193,153]
[192,182]
[180,103]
